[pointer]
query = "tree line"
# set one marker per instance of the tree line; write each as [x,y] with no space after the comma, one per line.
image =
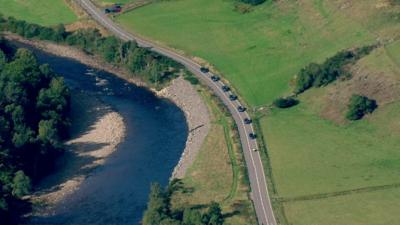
[34,107]
[151,67]
[333,68]
[160,212]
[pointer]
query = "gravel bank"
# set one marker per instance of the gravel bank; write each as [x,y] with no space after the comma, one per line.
[185,96]
[96,131]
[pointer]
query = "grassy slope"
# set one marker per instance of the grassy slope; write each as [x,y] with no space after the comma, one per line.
[216,174]
[311,156]
[259,53]
[44,12]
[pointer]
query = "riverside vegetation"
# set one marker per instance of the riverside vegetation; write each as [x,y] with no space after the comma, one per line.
[159,209]
[34,106]
[153,68]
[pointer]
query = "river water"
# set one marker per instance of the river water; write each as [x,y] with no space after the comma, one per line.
[156,132]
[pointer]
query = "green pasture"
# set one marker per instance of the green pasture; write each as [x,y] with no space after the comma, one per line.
[43,12]
[258,52]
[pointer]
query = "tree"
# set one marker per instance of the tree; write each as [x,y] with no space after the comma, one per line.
[157,207]
[48,133]
[359,106]
[214,215]
[3,60]
[253,2]
[285,102]
[21,184]
[192,217]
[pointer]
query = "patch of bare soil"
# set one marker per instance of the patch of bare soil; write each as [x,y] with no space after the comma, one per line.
[376,85]
[96,131]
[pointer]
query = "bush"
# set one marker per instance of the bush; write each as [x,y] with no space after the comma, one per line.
[285,102]
[359,106]
[252,2]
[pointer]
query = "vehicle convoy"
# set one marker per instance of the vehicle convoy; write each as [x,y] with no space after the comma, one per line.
[261,201]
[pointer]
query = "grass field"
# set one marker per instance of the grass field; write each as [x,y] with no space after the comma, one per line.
[314,152]
[257,52]
[217,173]
[377,208]
[43,12]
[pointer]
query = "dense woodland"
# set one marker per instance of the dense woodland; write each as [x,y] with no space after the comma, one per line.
[34,106]
[160,212]
[151,67]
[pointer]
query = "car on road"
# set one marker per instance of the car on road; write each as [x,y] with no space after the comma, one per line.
[254,149]
[233,97]
[225,88]
[252,136]
[247,121]
[214,78]
[204,69]
[241,108]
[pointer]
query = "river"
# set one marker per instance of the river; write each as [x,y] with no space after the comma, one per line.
[156,132]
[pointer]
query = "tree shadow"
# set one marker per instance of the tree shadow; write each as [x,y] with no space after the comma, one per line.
[76,161]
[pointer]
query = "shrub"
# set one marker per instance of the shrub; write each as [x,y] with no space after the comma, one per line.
[252,2]
[285,102]
[359,106]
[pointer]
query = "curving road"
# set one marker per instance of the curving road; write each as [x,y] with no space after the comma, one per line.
[259,190]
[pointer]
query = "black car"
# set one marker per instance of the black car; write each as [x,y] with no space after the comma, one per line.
[252,135]
[241,108]
[214,78]
[225,88]
[247,121]
[232,97]
[204,69]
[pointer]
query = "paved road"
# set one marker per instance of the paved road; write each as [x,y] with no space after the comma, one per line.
[258,183]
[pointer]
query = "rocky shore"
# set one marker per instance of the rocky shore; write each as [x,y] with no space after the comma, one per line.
[185,96]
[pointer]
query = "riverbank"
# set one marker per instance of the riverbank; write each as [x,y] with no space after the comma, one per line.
[185,96]
[179,91]
[96,132]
